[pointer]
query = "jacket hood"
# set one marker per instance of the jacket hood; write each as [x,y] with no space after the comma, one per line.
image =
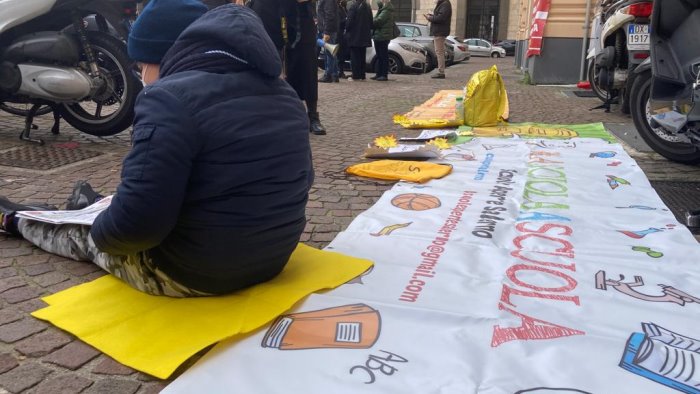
[225,39]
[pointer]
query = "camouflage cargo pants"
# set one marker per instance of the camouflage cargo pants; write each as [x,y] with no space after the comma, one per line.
[74,242]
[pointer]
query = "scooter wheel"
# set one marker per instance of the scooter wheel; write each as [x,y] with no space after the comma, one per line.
[658,139]
[112,110]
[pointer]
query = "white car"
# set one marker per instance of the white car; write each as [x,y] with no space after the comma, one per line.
[461,50]
[404,57]
[479,47]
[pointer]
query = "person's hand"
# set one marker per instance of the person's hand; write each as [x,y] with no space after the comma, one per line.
[326,38]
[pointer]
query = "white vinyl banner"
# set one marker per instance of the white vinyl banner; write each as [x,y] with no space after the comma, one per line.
[537,266]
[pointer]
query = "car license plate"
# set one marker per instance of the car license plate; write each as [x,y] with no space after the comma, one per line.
[638,37]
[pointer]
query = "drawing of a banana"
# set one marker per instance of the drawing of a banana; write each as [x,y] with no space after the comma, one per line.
[389,229]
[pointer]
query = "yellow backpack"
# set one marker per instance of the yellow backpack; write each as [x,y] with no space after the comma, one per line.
[486,100]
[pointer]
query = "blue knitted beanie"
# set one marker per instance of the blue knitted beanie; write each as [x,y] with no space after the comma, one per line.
[159,25]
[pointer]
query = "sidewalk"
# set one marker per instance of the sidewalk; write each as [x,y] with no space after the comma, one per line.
[35,357]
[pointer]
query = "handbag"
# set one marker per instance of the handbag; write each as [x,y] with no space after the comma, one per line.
[396,32]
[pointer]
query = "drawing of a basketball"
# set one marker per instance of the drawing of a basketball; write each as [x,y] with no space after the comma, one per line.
[415,201]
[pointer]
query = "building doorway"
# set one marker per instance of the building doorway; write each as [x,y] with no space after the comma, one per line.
[403,10]
[482,19]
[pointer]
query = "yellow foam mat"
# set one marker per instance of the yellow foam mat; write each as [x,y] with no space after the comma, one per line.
[156,334]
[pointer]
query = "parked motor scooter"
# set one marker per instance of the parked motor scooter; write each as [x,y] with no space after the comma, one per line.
[622,45]
[50,59]
[603,10]
[665,96]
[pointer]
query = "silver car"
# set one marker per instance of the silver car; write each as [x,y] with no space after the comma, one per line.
[479,47]
[461,50]
[404,57]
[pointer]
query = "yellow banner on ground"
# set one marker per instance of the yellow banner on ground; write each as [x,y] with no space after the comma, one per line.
[438,112]
[155,334]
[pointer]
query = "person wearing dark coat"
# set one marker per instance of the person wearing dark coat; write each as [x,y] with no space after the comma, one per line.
[328,22]
[213,192]
[343,53]
[291,26]
[440,22]
[358,34]
[382,33]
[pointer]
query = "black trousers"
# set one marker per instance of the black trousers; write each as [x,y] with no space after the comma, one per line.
[382,66]
[357,61]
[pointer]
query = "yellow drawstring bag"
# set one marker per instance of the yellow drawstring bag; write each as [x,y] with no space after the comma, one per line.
[486,100]
[411,171]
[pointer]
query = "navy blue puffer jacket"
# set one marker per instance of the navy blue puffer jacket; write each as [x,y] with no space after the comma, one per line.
[216,184]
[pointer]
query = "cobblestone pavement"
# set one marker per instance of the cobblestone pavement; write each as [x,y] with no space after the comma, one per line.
[35,357]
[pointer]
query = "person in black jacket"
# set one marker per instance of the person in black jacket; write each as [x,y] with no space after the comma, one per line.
[291,26]
[440,22]
[358,34]
[343,53]
[213,192]
[328,22]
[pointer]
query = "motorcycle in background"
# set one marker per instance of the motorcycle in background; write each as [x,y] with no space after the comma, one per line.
[622,44]
[50,60]
[603,10]
[665,95]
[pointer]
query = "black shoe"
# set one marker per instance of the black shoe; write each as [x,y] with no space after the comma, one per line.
[82,196]
[316,126]
[336,79]
[374,77]
[438,76]
[325,79]
[381,79]
[9,208]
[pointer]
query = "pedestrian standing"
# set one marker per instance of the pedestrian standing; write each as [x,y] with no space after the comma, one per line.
[328,23]
[291,26]
[440,21]
[343,53]
[358,32]
[383,32]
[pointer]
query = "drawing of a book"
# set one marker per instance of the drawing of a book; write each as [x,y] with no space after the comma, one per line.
[353,326]
[665,357]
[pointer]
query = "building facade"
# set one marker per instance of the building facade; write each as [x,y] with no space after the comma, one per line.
[487,19]
[562,54]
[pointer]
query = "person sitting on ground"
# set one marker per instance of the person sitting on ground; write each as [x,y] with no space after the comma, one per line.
[213,192]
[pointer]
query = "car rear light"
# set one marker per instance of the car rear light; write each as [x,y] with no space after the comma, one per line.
[640,10]
[462,48]
[641,55]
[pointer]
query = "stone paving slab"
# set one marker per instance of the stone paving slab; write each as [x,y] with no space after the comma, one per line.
[38,358]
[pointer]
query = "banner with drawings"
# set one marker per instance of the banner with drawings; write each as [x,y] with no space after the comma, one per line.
[540,265]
